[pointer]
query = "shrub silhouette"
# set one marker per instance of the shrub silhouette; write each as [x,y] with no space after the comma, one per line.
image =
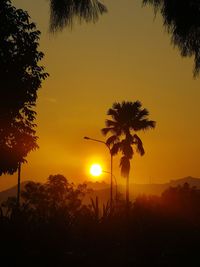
[53,227]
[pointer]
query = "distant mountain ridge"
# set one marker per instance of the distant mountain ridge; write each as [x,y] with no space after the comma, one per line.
[189,179]
[97,185]
[157,189]
[102,189]
[152,188]
[11,192]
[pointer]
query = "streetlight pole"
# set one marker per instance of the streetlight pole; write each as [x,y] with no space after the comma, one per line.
[18,184]
[111,166]
[116,190]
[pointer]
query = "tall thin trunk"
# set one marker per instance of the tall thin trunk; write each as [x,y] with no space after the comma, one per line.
[111,181]
[116,190]
[127,190]
[18,184]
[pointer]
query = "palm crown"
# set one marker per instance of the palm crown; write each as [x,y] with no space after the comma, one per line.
[126,119]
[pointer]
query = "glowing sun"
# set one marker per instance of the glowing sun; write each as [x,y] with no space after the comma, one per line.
[95,170]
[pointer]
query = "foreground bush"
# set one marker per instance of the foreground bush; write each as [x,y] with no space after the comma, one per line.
[53,228]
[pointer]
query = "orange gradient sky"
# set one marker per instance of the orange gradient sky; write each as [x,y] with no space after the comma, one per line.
[127,55]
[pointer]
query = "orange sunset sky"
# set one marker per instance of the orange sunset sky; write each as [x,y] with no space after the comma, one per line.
[127,55]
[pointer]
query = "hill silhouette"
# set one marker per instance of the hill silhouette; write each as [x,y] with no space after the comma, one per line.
[102,189]
[11,192]
[97,185]
[157,189]
[189,179]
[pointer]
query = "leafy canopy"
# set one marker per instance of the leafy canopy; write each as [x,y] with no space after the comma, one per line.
[20,79]
[65,12]
[181,18]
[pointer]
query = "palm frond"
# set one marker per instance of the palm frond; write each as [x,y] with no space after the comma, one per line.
[112,130]
[115,148]
[139,144]
[137,104]
[142,114]
[89,10]
[144,125]
[106,130]
[126,148]
[184,32]
[110,123]
[125,166]
[116,106]
[113,113]
[65,12]
[112,139]
[61,14]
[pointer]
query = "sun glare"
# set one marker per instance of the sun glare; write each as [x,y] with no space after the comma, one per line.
[95,170]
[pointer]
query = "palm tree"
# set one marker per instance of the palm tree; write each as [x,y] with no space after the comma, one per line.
[65,12]
[127,118]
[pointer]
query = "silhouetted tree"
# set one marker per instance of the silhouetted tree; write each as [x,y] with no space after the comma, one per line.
[159,231]
[126,119]
[55,197]
[182,21]
[21,77]
[65,12]
[182,200]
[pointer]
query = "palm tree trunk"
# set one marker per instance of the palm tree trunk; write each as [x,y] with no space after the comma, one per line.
[127,190]
[18,184]
[116,190]
[111,181]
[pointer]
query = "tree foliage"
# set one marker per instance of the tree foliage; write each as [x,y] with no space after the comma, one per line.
[44,201]
[65,12]
[21,77]
[158,231]
[181,18]
[56,196]
[126,119]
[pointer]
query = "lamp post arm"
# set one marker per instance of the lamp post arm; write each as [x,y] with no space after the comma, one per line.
[111,166]
[99,141]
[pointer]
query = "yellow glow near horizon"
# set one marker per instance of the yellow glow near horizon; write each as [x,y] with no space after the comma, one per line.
[95,170]
[114,59]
